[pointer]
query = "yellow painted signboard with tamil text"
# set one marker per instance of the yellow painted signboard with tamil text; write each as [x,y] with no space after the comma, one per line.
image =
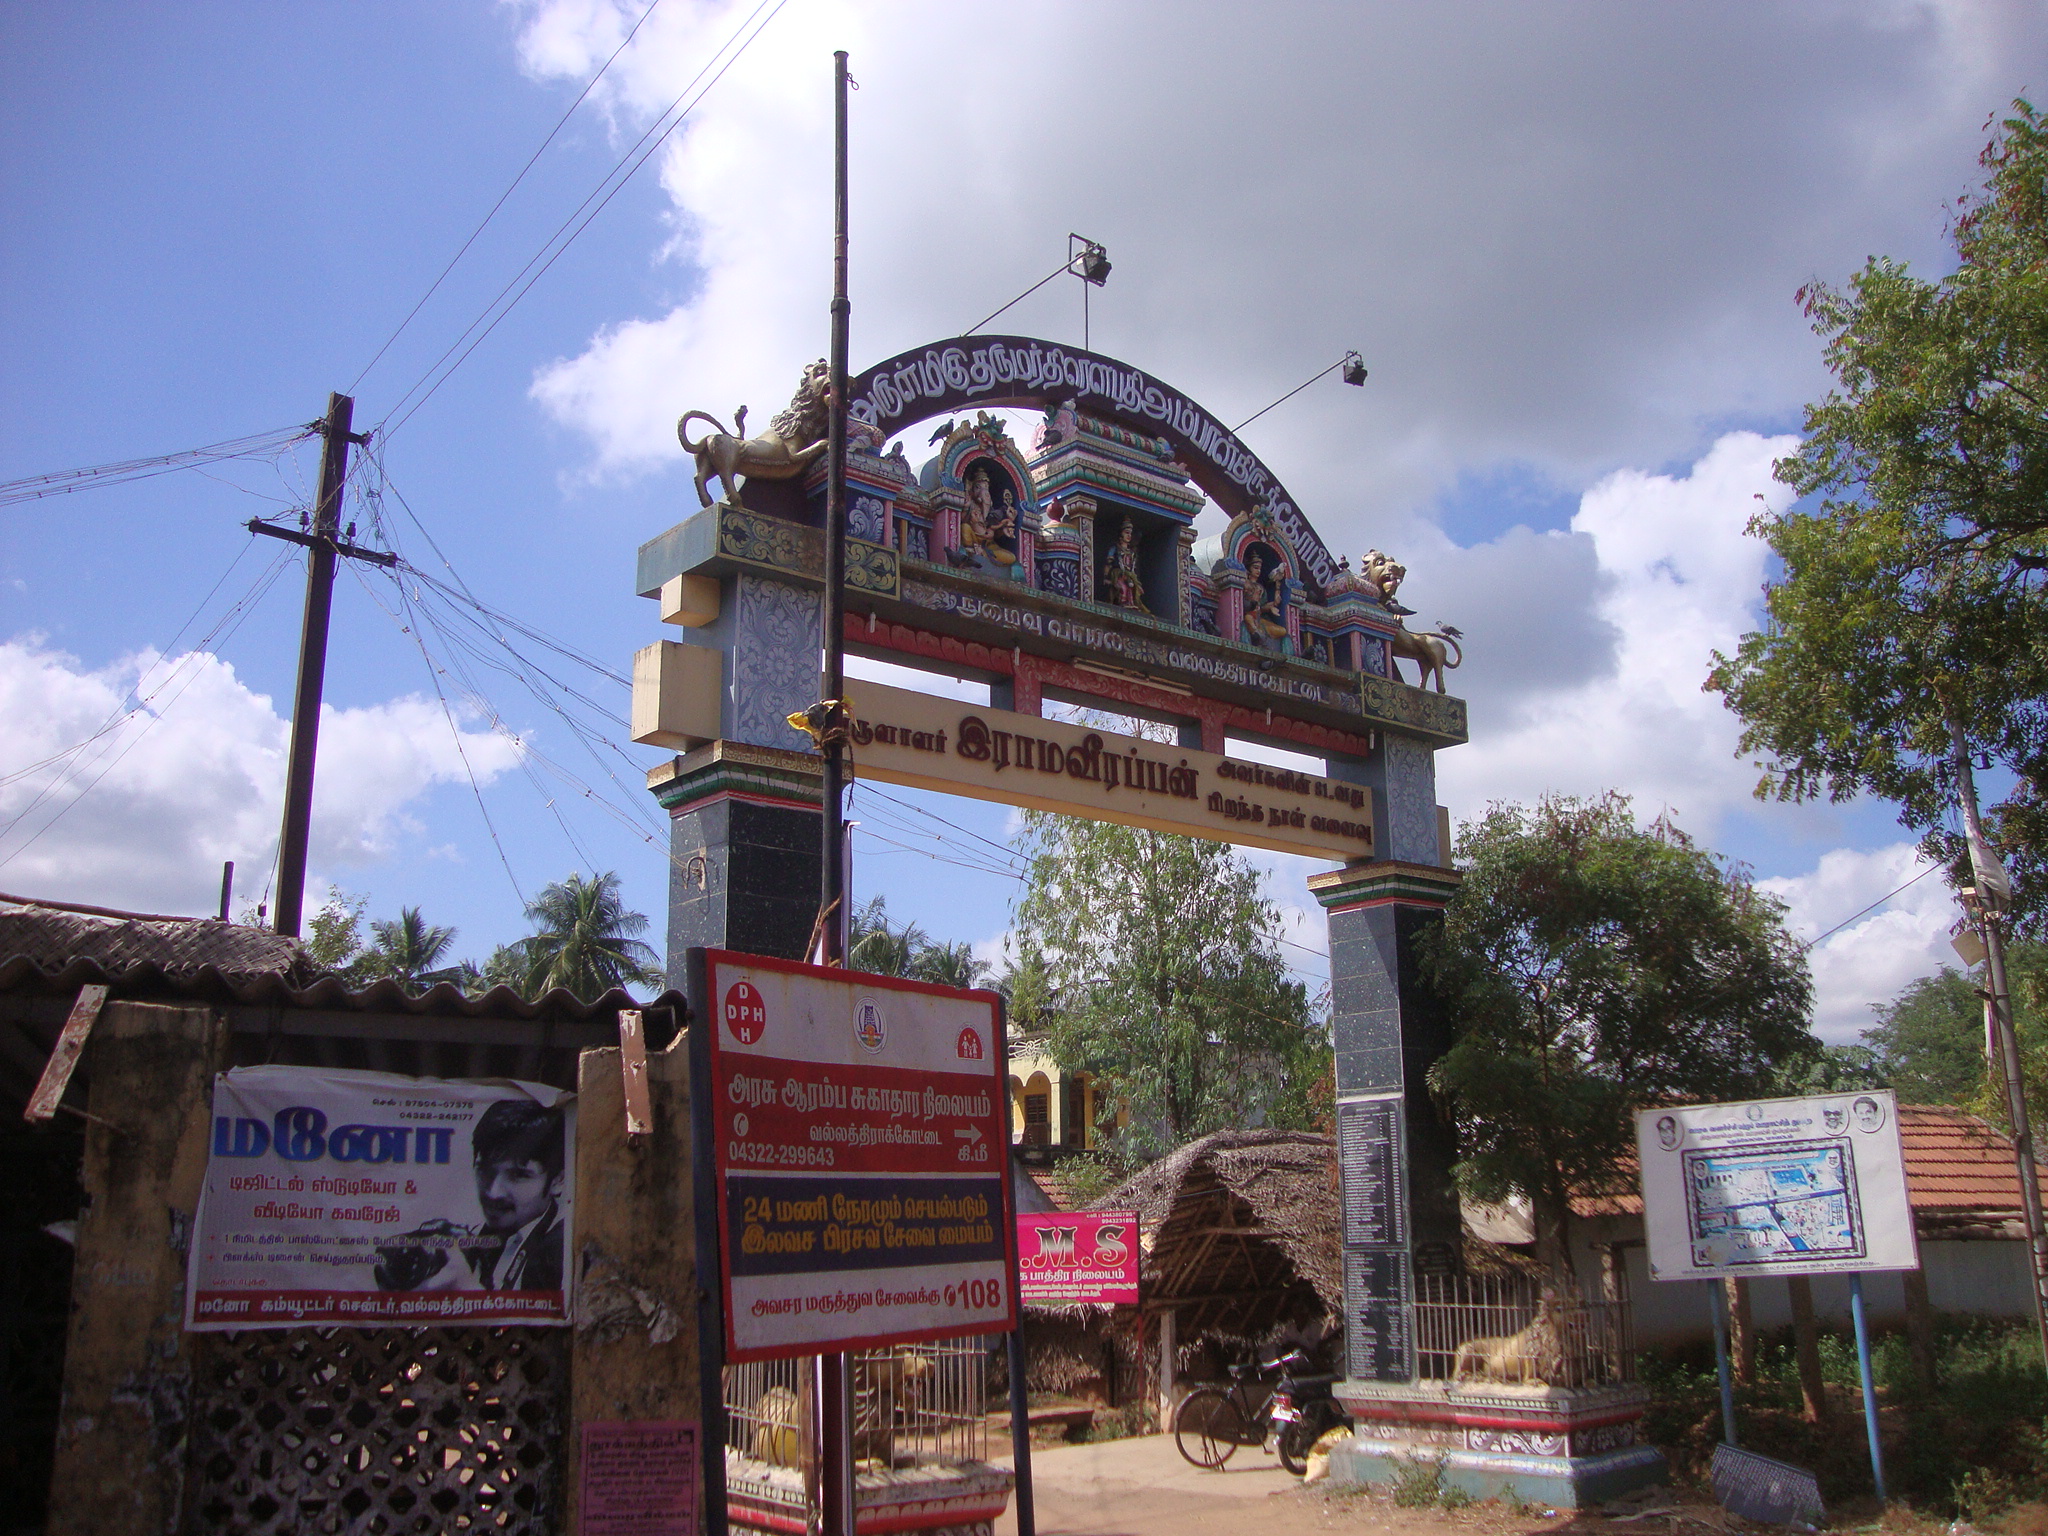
[903,737]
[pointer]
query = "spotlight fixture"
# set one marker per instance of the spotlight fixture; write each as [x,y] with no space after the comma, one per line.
[1354,368]
[1090,263]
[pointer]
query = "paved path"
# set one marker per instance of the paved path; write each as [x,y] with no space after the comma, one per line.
[1143,1487]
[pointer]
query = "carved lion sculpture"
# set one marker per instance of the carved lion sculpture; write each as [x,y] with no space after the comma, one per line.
[1534,1357]
[794,438]
[1430,650]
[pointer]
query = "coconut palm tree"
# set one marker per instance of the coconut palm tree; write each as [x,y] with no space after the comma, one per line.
[406,949]
[873,946]
[583,940]
[950,965]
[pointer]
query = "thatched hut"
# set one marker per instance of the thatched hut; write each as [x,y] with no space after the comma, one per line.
[1239,1244]
[1238,1234]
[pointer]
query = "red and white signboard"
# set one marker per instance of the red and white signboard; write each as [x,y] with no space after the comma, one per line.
[862,1158]
[1078,1257]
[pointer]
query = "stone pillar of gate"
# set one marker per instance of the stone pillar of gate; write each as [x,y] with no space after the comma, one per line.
[1394,1153]
[744,858]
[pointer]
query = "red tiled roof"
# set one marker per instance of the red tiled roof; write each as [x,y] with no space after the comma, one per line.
[1959,1171]
[1053,1185]
[1956,1165]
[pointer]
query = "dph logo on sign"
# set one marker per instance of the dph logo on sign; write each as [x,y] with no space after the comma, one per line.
[867,1024]
[968,1047]
[746,1014]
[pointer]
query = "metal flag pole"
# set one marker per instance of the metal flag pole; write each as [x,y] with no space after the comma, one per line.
[1020,1395]
[835,1376]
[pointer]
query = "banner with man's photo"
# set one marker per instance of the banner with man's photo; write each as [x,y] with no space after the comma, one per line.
[368,1199]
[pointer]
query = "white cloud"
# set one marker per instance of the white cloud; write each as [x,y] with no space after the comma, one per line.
[1566,241]
[195,776]
[1872,959]
[1677,578]
[1560,236]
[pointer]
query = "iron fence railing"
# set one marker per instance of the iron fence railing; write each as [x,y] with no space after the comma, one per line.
[1517,1330]
[917,1405]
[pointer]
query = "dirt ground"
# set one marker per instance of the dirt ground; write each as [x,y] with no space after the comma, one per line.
[1142,1487]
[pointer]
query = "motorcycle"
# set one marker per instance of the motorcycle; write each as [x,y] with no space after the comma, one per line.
[1302,1411]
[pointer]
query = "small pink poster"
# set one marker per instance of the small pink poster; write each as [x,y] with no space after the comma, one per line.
[639,1478]
[1086,1257]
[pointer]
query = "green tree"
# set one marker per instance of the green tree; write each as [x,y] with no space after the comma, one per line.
[1155,962]
[1912,564]
[875,947]
[406,948]
[584,939]
[507,966]
[1592,967]
[334,934]
[1928,1042]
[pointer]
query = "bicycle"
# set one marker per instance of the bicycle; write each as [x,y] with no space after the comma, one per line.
[1211,1422]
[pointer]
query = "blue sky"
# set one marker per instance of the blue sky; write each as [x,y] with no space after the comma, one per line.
[1566,239]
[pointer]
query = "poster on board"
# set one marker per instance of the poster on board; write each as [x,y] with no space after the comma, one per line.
[368,1199]
[1813,1186]
[862,1158]
[1078,1258]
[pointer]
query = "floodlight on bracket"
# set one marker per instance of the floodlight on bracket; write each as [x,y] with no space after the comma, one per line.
[1354,373]
[1086,259]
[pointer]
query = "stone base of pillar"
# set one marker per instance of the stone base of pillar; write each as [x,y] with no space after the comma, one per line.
[1563,1448]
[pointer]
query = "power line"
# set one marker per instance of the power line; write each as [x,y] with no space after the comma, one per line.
[63,481]
[119,715]
[239,613]
[1845,922]
[434,679]
[560,124]
[501,304]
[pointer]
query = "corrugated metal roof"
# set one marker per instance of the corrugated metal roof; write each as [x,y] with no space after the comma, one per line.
[51,936]
[46,947]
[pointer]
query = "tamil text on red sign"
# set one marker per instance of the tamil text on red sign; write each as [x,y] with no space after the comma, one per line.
[861,1155]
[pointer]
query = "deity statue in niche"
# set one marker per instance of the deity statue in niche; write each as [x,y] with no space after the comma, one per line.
[1120,569]
[1265,612]
[988,530]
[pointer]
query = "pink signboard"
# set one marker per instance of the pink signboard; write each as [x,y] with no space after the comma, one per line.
[1076,1257]
[639,1479]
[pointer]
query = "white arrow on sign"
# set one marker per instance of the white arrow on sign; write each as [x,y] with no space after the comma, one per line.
[971,1133]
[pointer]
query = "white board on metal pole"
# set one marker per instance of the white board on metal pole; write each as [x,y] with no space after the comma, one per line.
[1809,1186]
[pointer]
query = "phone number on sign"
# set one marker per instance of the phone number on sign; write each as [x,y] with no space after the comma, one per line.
[763,1153]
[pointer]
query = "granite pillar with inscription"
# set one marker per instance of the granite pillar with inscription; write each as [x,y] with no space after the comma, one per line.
[1394,1152]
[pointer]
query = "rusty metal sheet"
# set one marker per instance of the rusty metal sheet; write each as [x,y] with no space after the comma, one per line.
[42,1105]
